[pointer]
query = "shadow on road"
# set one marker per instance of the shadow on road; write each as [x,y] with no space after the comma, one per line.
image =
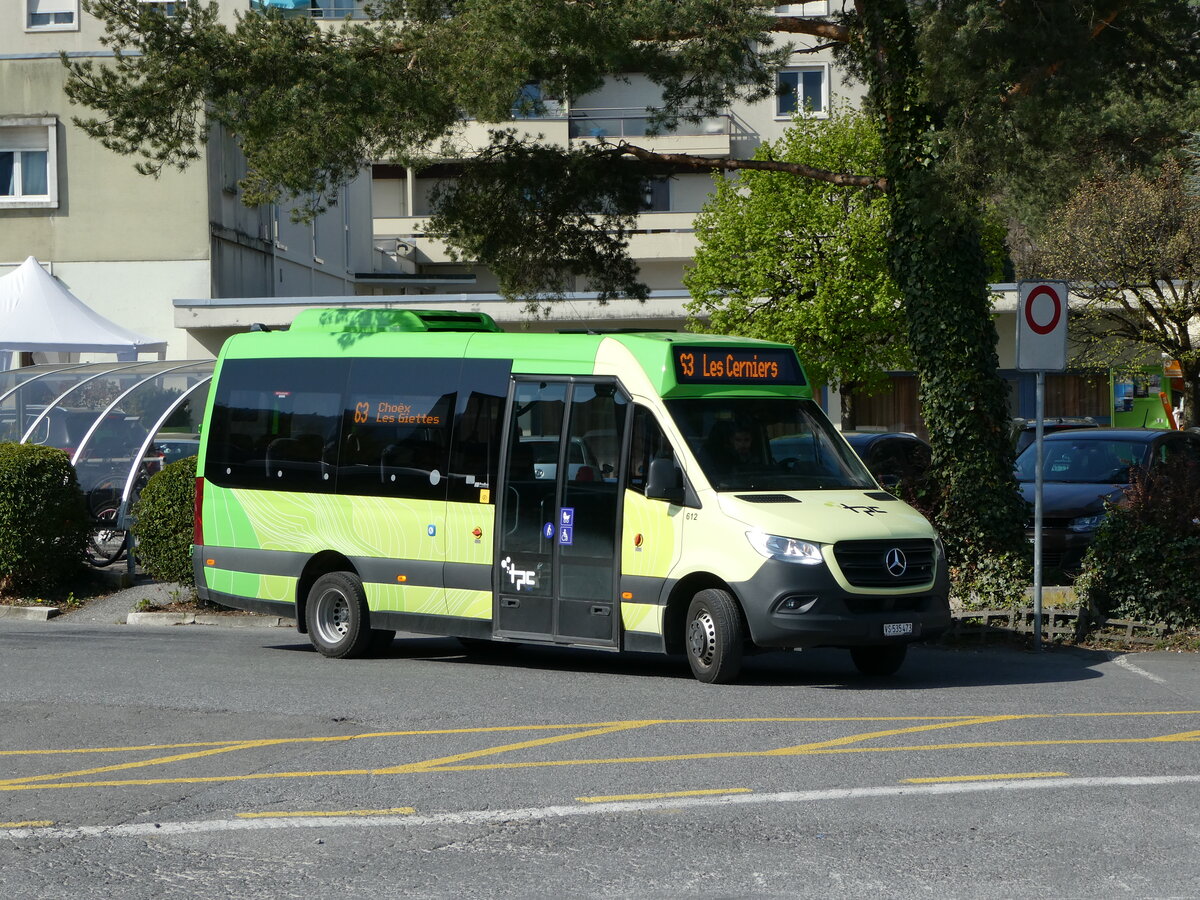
[927,667]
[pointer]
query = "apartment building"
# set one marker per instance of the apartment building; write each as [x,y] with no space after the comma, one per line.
[127,244]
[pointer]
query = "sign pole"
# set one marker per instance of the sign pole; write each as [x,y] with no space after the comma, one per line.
[1041,348]
[1038,478]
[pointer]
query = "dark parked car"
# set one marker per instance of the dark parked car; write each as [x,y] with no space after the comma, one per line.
[1083,470]
[891,456]
[1024,431]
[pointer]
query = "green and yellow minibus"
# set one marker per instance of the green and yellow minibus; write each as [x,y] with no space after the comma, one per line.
[369,471]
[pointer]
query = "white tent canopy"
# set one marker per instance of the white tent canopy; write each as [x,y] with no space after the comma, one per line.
[38,314]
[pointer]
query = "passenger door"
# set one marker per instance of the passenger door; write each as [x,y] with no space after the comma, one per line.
[556,559]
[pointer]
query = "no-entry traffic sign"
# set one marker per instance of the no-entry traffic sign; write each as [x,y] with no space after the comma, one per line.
[1042,326]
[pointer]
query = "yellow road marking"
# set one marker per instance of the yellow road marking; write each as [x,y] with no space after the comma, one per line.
[461,762]
[945,779]
[664,795]
[432,764]
[1182,736]
[39,824]
[118,767]
[870,735]
[768,720]
[401,810]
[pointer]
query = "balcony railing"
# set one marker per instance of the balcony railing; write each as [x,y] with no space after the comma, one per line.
[630,123]
[316,9]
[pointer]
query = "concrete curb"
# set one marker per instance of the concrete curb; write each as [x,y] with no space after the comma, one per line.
[177,618]
[29,613]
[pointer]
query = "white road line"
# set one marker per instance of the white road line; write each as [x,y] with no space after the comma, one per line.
[1124,663]
[531,814]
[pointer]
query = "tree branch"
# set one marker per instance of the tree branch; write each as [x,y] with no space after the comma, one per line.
[822,28]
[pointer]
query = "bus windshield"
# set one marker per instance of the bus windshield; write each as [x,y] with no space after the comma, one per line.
[767,444]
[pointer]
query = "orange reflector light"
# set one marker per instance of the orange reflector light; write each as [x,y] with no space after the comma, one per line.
[626,595]
[402,578]
[210,562]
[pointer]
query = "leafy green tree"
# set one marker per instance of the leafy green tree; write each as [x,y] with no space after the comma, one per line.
[970,96]
[1129,244]
[792,259]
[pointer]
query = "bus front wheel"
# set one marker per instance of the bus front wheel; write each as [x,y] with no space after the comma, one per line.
[879,661]
[714,637]
[337,615]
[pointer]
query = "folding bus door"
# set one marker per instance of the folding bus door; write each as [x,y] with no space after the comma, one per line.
[559,512]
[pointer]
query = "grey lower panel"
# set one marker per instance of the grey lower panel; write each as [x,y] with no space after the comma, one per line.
[642,642]
[421,623]
[382,570]
[255,562]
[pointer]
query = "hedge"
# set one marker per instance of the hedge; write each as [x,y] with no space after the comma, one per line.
[44,522]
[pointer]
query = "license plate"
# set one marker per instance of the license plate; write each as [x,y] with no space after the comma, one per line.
[895,629]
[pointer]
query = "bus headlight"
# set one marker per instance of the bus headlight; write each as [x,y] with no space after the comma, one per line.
[785,549]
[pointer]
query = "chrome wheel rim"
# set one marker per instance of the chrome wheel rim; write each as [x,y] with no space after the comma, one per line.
[702,638]
[332,620]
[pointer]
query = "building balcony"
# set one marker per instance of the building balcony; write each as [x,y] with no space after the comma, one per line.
[708,137]
[657,236]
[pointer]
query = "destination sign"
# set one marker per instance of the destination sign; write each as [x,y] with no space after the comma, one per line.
[737,365]
[395,413]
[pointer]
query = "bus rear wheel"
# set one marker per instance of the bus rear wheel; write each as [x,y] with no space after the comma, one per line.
[713,637]
[880,660]
[337,615]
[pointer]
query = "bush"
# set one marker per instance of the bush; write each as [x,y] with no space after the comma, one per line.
[980,578]
[1145,561]
[44,522]
[162,522]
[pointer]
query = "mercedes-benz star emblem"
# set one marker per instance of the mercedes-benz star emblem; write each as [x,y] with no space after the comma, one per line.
[896,563]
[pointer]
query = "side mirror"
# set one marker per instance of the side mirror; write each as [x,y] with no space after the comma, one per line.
[664,481]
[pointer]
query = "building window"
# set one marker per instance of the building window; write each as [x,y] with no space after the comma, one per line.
[801,90]
[28,162]
[657,197]
[168,8]
[52,14]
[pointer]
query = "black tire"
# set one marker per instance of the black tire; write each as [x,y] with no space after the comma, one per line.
[713,637]
[106,542]
[339,623]
[880,660]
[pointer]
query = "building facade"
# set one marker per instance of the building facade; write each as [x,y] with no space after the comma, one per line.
[128,244]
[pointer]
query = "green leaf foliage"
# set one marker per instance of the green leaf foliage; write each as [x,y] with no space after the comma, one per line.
[44,522]
[1144,563]
[1129,244]
[791,259]
[163,522]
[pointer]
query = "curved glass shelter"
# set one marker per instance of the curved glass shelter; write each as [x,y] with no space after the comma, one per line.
[120,422]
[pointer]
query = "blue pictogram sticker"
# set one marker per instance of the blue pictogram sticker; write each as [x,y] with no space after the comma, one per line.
[431,530]
[566,534]
[548,531]
[566,516]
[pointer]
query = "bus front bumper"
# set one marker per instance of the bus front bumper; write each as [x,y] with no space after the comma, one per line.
[792,606]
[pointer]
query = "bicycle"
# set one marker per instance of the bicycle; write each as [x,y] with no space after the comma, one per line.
[108,541]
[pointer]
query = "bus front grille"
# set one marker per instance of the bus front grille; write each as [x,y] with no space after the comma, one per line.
[899,563]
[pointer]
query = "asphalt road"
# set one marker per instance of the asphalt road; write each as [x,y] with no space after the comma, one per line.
[218,762]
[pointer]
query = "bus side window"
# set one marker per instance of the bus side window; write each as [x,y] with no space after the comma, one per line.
[648,443]
[273,422]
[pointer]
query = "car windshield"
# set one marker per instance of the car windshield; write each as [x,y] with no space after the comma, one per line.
[767,444]
[1083,460]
